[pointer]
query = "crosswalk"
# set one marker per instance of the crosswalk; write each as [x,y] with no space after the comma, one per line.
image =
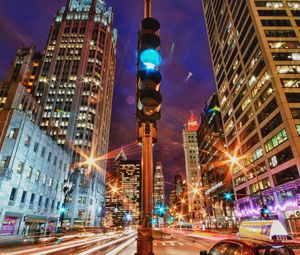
[172,243]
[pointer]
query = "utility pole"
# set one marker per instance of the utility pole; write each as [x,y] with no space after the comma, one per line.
[147,113]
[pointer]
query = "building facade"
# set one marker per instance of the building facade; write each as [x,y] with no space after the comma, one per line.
[75,88]
[255,53]
[192,166]
[128,173]
[33,169]
[215,175]
[158,187]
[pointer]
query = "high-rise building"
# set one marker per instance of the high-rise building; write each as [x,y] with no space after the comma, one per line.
[255,53]
[25,67]
[128,173]
[192,167]
[158,186]
[216,211]
[75,88]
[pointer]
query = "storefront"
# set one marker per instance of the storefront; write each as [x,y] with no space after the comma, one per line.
[35,224]
[52,224]
[11,223]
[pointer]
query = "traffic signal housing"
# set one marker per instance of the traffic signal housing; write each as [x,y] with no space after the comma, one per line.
[148,77]
[264,212]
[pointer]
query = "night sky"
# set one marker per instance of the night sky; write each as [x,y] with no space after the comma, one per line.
[186,70]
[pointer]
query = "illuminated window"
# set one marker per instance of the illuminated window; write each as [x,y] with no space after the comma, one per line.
[276,140]
[290,83]
[37,175]
[20,167]
[28,171]
[298,129]
[291,69]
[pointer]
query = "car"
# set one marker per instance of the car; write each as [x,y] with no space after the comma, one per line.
[245,246]
[257,238]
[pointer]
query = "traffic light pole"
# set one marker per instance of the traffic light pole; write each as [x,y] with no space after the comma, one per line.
[144,239]
[147,8]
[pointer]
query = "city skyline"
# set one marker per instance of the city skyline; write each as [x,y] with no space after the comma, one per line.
[176,109]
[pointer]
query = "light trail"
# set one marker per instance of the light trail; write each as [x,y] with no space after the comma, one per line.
[61,247]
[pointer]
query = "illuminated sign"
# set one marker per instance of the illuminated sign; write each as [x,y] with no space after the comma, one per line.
[218,185]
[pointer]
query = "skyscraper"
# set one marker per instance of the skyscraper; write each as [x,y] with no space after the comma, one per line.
[192,166]
[75,88]
[128,173]
[255,54]
[158,186]
[215,175]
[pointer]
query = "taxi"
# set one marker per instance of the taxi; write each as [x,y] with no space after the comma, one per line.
[257,238]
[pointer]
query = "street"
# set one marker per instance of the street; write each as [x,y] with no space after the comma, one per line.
[172,241]
[182,242]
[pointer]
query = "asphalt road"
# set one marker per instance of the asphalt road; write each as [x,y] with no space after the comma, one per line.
[182,243]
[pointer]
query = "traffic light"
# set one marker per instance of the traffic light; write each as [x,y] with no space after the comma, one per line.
[148,77]
[264,212]
[228,196]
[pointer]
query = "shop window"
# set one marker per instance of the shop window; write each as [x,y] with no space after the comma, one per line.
[281,157]
[295,113]
[286,175]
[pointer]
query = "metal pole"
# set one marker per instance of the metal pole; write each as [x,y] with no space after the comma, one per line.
[147,8]
[144,239]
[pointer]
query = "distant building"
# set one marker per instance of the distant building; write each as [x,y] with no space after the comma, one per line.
[178,200]
[192,166]
[215,168]
[128,173]
[33,169]
[14,95]
[75,88]
[25,67]
[158,186]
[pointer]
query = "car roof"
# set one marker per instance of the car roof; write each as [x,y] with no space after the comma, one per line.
[253,243]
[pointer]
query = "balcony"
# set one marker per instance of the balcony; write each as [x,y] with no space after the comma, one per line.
[5,173]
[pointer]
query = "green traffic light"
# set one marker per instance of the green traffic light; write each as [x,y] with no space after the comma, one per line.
[150,59]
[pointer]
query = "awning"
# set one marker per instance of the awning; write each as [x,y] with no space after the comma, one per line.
[36,218]
[13,214]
